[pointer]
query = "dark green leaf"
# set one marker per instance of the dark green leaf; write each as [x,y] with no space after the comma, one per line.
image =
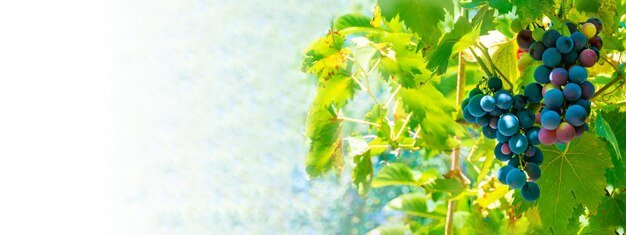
[603,129]
[611,213]
[531,10]
[422,16]
[461,37]
[503,6]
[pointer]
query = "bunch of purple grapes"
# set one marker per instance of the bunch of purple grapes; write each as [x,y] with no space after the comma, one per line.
[562,79]
[511,121]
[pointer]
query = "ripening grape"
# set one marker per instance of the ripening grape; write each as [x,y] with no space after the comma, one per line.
[550,37]
[536,50]
[508,124]
[518,143]
[533,92]
[576,115]
[550,120]
[474,106]
[524,39]
[551,57]
[533,135]
[524,61]
[571,27]
[503,172]
[547,137]
[530,151]
[483,121]
[578,74]
[505,148]
[542,74]
[537,158]
[581,129]
[597,23]
[516,178]
[596,42]
[588,58]
[585,104]
[589,30]
[493,123]
[530,191]
[526,118]
[565,133]
[488,103]
[579,40]
[553,99]
[538,34]
[559,76]
[497,151]
[533,171]
[564,44]
[572,92]
[504,100]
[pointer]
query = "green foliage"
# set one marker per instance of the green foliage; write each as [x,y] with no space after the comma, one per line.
[575,176]
[531,10]
[461,37]
[394,174]
[422,17]
[363,172]
[611,213]
[352,20]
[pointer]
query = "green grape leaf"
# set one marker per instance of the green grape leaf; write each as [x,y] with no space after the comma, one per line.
[505,58]
[611,213]
[401,60]
[520,205]
[416,204]
[493,196]
[325,57]
[462,36]
[362,173]
[613,43]
[503,6]
[603,129]
[394,174]
[485,20]
[324,129]
[452,187]
[352,20]
[616,121]
[587,5]
[422,17]
[434,113]
[575,176]
[531,10]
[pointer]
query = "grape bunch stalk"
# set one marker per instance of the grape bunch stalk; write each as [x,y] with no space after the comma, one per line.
[509,119]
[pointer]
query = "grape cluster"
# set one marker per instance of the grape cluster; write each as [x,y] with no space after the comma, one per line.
[509,119]
[562,79]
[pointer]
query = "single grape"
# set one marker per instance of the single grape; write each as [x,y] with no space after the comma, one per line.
[588,58]
[551,57]
[504,100]
[597,23]
[526,118]
[489,133]
[502,138]
[588,90]
[494,84]
[533,92]
[464,104]
[553,99]
[493,123]
[550,120]
[474,106]
[578,74]
[595,50]
[595,41]
[516,178]
[518,143]
[538,34]
[508,124]
[505,149]
[576,115]
[559,76]
[524,39]
[571,27]
[483,121]
[524,61]
[564,44]
[570,58]
[580,40]
[488,103]
[530,151]
[514,162]
[474,92]
[547,137]
[542,74]
[536,50]
[502,172]
[516,25]
[550,37]
[572,92]
[533,135]
[468,116]
[585,104]
[537,158]
[565,133]
[497,151]
[519,102]
[581,129]
[589,30]
[530,191]
[548,87]
[533,171]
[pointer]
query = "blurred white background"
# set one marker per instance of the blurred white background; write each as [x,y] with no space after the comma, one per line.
[160,117]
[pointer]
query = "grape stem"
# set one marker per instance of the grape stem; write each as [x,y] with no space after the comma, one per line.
[485,51]
[358,121]
[480,62]
[619,75]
